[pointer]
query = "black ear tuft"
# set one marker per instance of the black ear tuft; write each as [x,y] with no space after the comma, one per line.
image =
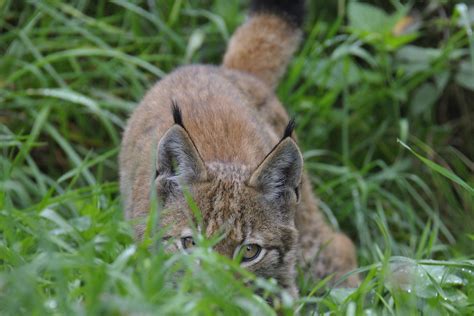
[289,128]
[177,115]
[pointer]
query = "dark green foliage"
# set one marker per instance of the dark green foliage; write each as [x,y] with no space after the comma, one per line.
[384,116]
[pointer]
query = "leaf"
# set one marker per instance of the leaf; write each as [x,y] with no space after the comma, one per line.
[465,75]
[375,26]
[195,42]
[427,281]
[64,227]
[214,18]
[67,95]
[333,74]
[365,17]
[441,80]
[424,97]
[123,258]
[354,49]
[441,170]
[339,295]
[394,42]
[417,54]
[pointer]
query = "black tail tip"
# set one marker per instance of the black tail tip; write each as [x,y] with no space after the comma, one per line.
[289,128]
[290,10]
[177,115]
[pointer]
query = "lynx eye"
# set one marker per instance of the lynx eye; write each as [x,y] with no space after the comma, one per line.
[187,242]
[250,252]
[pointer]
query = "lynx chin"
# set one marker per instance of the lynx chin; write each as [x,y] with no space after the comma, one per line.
[221,132]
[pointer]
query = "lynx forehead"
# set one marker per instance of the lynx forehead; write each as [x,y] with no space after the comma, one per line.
[228,141]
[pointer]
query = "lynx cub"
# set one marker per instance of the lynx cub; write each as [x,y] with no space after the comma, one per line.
[221,132]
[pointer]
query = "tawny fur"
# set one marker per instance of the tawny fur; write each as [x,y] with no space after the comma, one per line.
[263,47]
[234,120]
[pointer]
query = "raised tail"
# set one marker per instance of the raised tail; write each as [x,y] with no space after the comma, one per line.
[264,45]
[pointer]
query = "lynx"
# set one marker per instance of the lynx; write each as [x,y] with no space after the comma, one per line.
[221,133]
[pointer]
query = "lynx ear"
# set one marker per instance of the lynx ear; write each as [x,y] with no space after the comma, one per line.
[280,172]
[178,160]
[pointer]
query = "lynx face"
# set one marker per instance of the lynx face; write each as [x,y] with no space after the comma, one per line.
[253,210]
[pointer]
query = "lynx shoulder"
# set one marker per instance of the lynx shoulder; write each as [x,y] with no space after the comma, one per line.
[221,132]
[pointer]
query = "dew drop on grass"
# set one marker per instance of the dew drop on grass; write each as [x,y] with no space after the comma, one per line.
[74,284]
[423,280]
[51,304]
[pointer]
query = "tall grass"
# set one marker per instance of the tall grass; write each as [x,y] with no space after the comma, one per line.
[384,120]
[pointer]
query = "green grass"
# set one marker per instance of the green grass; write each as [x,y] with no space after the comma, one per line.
[385,123]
